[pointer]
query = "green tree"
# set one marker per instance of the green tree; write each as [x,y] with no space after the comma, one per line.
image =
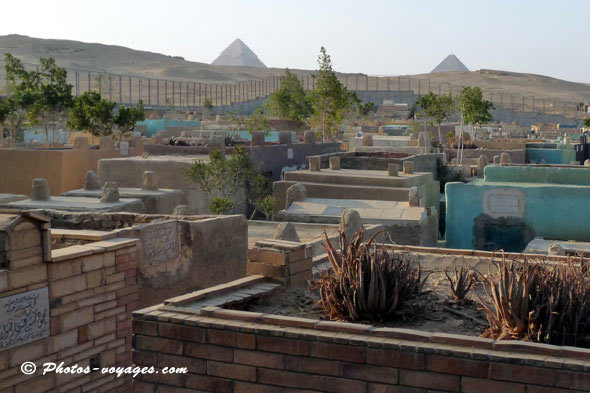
[436,107]
[474,110]
[289,101]
[92,113]
[329,98]
[587,122]
[223,179]
[127,117]
[258,122]
[38,95]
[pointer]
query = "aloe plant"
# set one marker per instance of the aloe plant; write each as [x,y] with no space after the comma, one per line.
[366,282]
[460,283]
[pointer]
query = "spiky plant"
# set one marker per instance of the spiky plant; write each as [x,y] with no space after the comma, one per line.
[460,283]
[538,302]
[365,282]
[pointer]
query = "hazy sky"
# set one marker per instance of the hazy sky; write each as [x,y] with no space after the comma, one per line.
[374,37]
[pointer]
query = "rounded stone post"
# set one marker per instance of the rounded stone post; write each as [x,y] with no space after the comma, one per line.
[91,181]
[482,161]
[110,192]
[505,158]
[587,163]
[335,163]
[315,163]
[392,169]
[408,167]
[309,137]
[496,160]
[367,140]
[149,181]
[40,191]
[295,193]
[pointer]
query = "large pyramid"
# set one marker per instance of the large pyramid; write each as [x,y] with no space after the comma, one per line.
[450,64]
[238,54]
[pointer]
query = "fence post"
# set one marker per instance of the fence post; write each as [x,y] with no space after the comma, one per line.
[139,89]
[100,84]
[89,87]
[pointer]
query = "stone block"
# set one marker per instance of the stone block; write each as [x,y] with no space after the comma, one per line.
[217,143]
[41,190]
[414,196]
[496,160]
[505,159]
[392,169]
[296,193]
[482,162]
[408,167]
[286,231]
[110,192]
[350,223]
[335,163]
[149,181]
[91,181]
[258,138]
[309,137]
[315,163]
[124,148]
[367,140]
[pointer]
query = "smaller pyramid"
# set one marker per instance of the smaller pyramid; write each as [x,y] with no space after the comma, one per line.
[238,54]
[450,64]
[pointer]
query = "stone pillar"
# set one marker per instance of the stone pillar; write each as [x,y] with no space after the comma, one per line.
[309,137]
[91,181]
[367,140]
[392,169]
[505,158]
[81,143]
[285,261]
[124,148]
[149,181]
[258,138]
[408,167]
[110,192]
[350,223]
[414,196]
[285,137]
[217,143]
[482,161]
[295,193]
[315,163]
[335,163]
[496,160]
[40,191]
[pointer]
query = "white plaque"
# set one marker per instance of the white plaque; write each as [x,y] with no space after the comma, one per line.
[504,203]
[290,153]
[24,318]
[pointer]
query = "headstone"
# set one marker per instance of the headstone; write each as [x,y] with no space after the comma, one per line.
[315,163]
[91,181]
[285,137]
[149,181]
[296,193]
[24,318]
[335,163]
[110,192]
[161,242]
[41,190]
[309,137]
[182,210]
[414,196]
[217,143]
[555,249]
[392,169]
[367,140]
[587,163]
[124,148]
[286,231]
[504,158]
[81,143]
[496,160]
[350,223]
[106,142]
[482,162]
[258,138]
[408,167]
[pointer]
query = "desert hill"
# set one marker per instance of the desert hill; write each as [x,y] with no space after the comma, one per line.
[118,59]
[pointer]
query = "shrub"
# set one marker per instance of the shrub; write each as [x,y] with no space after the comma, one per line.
[366,282]
[460,283]
[538,302]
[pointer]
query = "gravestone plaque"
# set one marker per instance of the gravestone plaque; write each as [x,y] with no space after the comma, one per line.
[504,203]
[161,242]
[24,318]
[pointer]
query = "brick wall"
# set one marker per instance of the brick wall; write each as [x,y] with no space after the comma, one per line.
[92,292]
[286,261]
[228,351]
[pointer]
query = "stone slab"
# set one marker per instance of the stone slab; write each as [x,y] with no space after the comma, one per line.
[77,204]
[24,318]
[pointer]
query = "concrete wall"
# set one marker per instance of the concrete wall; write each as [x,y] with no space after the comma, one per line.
[516,156]
[547,207]
[564,154]
[64,169]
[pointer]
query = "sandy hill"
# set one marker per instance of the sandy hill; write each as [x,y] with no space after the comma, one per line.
[118,59]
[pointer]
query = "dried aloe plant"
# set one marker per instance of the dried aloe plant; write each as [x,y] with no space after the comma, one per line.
[366,282]
[460,283]
[538,302]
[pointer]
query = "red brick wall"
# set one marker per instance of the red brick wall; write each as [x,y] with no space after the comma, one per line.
[92,293]
[259,353]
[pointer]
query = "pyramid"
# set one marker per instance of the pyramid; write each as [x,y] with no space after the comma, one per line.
[238,54]
[450,64]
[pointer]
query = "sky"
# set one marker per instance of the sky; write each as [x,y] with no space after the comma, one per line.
[376,37]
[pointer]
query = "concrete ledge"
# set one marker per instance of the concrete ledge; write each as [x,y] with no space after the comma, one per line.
[62,254]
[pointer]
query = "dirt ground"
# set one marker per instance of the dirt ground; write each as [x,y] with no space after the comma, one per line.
[433,311]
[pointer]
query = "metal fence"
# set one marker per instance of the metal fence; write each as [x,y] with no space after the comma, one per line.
[130,89]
